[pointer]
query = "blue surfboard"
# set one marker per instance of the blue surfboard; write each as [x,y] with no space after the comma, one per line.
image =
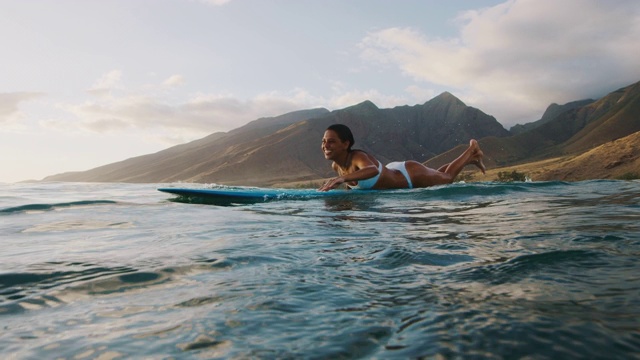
[248,195]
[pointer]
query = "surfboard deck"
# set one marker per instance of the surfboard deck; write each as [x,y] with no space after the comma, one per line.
[244,195]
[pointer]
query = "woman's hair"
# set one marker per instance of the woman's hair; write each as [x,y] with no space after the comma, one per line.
[344,133]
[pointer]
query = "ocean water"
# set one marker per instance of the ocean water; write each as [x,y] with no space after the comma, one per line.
[540,270]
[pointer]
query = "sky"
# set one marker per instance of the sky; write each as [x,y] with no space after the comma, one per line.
[84,83]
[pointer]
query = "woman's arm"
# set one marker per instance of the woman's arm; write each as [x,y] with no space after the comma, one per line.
[364,167]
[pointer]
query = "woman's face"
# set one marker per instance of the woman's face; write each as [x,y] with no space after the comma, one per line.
[332,146]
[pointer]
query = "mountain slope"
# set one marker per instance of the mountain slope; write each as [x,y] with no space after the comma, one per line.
[184,162]
[613,116]
[273,150]
[553,111]
[287,148]
[612,160]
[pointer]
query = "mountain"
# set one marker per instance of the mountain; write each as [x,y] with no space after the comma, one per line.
[287,148]
[617,159]
[184,162]
[611,160]
[553,111]
[571,132]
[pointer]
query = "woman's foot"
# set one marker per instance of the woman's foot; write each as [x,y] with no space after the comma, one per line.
[477,155]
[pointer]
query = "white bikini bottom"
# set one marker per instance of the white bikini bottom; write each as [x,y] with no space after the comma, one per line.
[400,166]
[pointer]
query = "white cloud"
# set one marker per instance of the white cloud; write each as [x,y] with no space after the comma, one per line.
[9,105]
[353,97]
[199,115]
[145,111]
[514,59]
[107,83]
[420,93]
[174,81]
[216,2]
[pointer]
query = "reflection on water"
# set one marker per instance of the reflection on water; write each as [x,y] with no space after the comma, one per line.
[541,270]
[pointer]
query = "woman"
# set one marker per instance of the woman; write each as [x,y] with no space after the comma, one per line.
[359,170]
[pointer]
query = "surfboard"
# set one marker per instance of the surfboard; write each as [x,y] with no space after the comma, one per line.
[247,195]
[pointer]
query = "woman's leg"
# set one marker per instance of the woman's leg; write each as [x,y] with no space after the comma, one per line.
[473,155]
[422,176]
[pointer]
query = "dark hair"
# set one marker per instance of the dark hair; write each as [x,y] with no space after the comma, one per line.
[344,133]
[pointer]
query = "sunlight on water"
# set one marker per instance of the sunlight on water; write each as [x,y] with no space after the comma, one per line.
[488,270]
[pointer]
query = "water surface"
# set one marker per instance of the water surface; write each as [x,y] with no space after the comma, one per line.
[485,270]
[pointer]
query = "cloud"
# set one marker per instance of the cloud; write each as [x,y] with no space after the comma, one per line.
[216,2]
[147,111]
[174,81]
[514,59]
[107,83]
[9,105]
[199,115]
[349,98]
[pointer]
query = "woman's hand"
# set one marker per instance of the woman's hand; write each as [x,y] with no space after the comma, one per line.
[332,184]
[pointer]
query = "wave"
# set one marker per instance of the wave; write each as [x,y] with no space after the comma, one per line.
[49,207]
[55,283]
[35,287]
[491,188]
[556,262]
[58,283]
[398,257]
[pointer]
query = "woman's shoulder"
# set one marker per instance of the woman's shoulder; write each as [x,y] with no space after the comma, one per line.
[358,152]
[363,155]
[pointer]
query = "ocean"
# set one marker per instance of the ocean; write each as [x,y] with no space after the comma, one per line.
[537,270]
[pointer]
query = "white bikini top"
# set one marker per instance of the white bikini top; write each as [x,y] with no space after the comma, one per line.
[368,183]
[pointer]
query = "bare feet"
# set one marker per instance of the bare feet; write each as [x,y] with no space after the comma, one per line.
[477,155]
